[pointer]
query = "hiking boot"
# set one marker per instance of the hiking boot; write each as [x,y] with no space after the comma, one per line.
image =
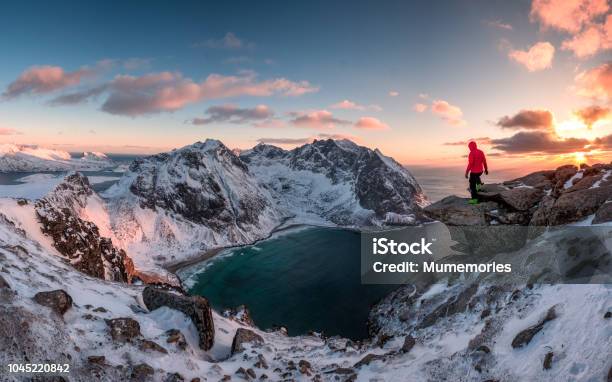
[479,186]
[473,201]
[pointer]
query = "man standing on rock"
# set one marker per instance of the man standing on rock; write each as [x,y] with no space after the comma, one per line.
[477,162]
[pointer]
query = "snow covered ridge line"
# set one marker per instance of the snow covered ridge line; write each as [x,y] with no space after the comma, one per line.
[30,158]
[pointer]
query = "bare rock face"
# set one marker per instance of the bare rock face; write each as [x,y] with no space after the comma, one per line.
[58,300]
[603,214]
[123,329]
[195,307]
[574,206]
[75,238]
[245,336]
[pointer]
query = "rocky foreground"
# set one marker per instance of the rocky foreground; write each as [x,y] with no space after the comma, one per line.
[545,198]
[66,297]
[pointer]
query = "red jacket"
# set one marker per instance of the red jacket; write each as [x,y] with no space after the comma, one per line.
[477,162]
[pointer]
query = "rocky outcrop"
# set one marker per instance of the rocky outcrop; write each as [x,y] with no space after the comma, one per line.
[525,336]
[244,336]
[58,300]
[77,239]
[196,308]
[543,198]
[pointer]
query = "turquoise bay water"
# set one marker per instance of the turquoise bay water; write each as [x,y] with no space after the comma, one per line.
[308,279]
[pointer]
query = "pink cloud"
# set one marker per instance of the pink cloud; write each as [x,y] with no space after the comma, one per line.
[450,113]
[371,123]
[44,79]
[6,131]
[393,93]
[419,107]
[538,57]
[567,15]
[596,83]
[347,105]
[594,38]
[167,91]
[317,119]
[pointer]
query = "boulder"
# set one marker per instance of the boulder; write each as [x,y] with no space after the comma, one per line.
[456,211]
[123,329]
[244,336]
[409,343]
[176,337]
[539,179]
[153,346]
[562,175]
[587,181]
[547,364]
[141,372]
[521,198]
[577,205]
[368,359]
[196,308]
[541,215]
[58,300]
[525,336]
[603,214]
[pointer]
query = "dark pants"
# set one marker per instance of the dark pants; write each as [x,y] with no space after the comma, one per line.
[474,180]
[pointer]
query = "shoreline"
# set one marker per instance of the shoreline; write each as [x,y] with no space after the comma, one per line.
[208,254]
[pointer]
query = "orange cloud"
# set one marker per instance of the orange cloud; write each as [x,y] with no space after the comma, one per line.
[480,141]
[450,113]
[44,79]
[594,38]
[528,119]
[567,15]
[371,123]
[596,83]
[538,57]
[590,115]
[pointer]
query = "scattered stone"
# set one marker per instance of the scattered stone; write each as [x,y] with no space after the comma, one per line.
[409,343]
[58,300]
[246,374]
[176,337]
[195,307]
[245,336]
[141,372]
[368,359]
[483,349]
[88,306]
[150,345]
[485,313]
[383,338]
[174,377]
[610,374]
[100,310]
[548,361]
[4,283]
[524,337]
[603,214]
[88,316]
[97,359]
[304,367]
[123,329]
[456,211]
[251,373]
[261,362]
[450,307]
[608,314]
[226,378]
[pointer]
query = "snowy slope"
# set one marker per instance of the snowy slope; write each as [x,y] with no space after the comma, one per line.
[20,158]
[463,345]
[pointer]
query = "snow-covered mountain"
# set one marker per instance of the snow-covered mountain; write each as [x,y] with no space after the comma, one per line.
[30,158]
[172,206]
[339,181]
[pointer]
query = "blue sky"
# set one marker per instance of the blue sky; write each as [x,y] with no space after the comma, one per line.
[456,53]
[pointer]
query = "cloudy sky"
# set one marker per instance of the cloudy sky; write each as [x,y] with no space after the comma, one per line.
[531,81]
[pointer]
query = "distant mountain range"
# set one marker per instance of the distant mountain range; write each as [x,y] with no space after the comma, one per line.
[31,158]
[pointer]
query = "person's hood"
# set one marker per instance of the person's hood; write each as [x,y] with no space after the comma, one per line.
[472,146]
